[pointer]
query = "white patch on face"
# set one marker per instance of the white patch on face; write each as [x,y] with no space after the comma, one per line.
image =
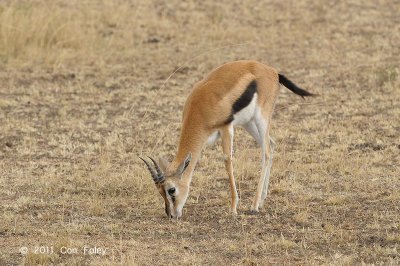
[178,209]
[175,208]
[246,114]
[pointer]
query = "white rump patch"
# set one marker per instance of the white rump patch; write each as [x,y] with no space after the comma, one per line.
[246,114]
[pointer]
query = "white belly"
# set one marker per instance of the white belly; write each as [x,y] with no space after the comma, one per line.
[213,138]
[246,114]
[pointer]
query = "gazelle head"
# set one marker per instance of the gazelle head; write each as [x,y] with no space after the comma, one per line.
[169,183]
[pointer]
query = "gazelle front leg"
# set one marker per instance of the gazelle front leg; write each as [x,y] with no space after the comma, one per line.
[227,147]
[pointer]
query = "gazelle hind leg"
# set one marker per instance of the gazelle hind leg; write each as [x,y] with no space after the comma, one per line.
[262,128]
[227,147]
[251,128]
[270,154]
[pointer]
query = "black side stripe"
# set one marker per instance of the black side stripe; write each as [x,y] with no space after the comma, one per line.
[243,100]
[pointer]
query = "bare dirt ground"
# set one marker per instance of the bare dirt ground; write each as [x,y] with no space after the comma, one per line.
[82,95]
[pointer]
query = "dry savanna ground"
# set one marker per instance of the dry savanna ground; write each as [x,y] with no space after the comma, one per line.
[83,93]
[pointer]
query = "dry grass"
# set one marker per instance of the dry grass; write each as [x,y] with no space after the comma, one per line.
[80,98]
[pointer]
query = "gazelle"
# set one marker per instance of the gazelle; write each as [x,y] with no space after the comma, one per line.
[240,93]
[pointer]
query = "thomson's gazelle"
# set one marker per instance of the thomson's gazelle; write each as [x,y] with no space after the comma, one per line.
[237,93]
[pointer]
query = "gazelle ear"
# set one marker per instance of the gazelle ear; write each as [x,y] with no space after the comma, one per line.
[163,163]
[182,167]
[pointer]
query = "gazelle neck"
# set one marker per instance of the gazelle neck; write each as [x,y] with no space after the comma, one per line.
[191,140]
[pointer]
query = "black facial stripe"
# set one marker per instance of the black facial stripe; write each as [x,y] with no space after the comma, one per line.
[167,210]
[243,100]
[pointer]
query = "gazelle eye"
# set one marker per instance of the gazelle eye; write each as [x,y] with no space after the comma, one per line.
[171,191]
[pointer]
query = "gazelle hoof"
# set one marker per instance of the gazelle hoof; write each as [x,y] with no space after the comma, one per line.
[252,212]
[234,210]
[254,207]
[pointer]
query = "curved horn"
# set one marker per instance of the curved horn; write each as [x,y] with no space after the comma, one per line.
[153,173]
[158,169]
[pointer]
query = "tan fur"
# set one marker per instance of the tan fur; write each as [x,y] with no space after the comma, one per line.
[209,105]
[210,102]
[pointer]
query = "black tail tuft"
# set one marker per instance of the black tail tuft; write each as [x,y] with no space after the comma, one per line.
[293,87]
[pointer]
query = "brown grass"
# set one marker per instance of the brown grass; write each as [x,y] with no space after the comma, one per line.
[80,98]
